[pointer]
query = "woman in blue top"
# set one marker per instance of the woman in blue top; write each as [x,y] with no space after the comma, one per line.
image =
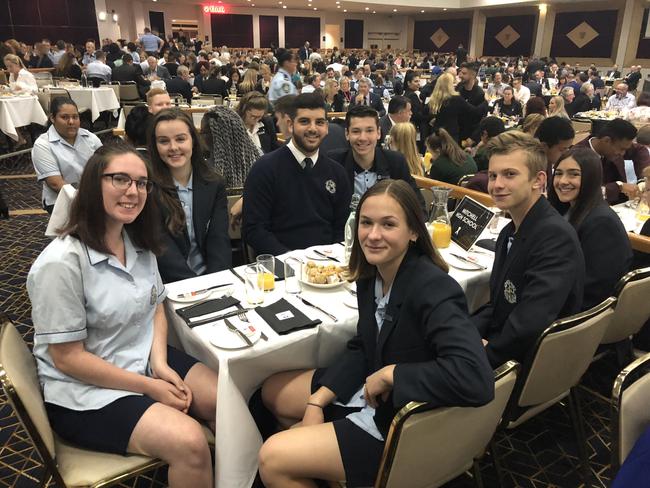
[192,198]
[110,381]
[577,194]
[410,346]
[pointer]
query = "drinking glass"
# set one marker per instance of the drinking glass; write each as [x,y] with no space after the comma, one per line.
[292,275]
[254,292]
[493,226]
[266,263]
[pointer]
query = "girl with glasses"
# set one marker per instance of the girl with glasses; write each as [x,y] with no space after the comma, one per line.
[192,199]
[110,382]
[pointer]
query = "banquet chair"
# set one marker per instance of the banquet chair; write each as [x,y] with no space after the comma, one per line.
[630,415]
[427,447]
[43,79]
[65,464]
[553,368]
[207,98]
[632,308]
[464,180]
[129,93]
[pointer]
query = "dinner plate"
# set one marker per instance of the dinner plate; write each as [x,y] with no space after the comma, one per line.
[175,297]
[325,286]
[351,301]
[462,265]
[329,251]
[223,338]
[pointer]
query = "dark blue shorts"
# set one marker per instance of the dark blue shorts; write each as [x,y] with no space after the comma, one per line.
[109,429]
[361,453]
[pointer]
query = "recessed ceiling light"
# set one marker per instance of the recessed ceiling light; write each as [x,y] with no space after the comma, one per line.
[337,3]
[345,9]
[280,3]
[315,8]
[421,11]
[284,6]
[374,12]
[394,10]
[444,9]
[338,6]
[367,8]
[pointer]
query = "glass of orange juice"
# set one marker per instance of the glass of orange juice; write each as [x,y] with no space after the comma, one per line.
[441,233]
[266,277]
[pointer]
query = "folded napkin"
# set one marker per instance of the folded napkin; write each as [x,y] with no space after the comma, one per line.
[489,244]
[284,317]
[200,313]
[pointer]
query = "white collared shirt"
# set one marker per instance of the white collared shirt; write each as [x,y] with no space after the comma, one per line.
[300,156]
[54,156]
[255,137]
[24,82]
[616,102]
[80,294]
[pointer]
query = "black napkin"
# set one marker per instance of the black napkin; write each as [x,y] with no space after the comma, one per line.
[204,308]
[489,244]
[284,317]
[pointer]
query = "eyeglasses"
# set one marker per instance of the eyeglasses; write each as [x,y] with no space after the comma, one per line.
[122,181]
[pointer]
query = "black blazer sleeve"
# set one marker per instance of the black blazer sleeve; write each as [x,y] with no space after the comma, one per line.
[210,215]
[607,251]
[337,105]
[268,140]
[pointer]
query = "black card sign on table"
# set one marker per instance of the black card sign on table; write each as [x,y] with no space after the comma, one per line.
[468,222]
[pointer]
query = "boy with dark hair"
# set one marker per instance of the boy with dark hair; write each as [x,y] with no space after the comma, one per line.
[556,135]
[296,197]
[364,161]
[538,272]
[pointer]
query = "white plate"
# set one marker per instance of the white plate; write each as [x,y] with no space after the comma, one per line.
[350,301]
[328,285]
[223,338]
[200,296]
[329,251]
[462,265]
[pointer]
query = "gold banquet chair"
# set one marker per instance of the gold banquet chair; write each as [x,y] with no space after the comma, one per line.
[66,465]
[428,447]
[554,368]
[629,405]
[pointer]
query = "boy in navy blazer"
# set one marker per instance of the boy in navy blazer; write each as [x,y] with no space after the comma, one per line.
[538,273]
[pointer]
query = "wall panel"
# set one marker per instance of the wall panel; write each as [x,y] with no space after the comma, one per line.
[269,30]
[509,35]
[584,34]
[232,30]
[441,35]
[297,30]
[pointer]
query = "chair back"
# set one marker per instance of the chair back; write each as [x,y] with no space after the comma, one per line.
[562,355]
[204,98]
[43,79]
[630,413]
[236,232]
[19,380]
[632,306]
[427,447]
[129,92]
[464,180]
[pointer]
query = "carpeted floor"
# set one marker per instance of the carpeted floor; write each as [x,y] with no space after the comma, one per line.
[540,453]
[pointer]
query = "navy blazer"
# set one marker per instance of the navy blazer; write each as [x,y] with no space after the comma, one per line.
[375,102]
[607,251]
[438,353]
[210,220]
[539,280]
[268,136]
[387,164]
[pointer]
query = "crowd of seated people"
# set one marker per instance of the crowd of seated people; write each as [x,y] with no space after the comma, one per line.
[298,171]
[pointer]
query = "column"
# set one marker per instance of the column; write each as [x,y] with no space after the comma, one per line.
[623,40]
[106,28]
[539,37]
[477,34]
[256,31]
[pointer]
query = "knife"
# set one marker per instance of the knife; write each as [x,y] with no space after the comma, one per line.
[322,254]
[232,270]
[191,294]
[196,323]
[309,304]
[465,260]
[234,329]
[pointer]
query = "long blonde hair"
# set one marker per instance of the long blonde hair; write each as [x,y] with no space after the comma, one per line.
[329,90]
[402,139]
[249,82]
[444,90]
[559,111]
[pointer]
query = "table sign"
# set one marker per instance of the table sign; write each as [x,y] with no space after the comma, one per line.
[468,222]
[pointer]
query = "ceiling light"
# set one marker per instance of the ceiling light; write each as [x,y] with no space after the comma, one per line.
[444,9]
[421,11]
[337,3]
[394,10]
[102,15]
[367,8]
[284,6]
[315,8]
[374,12]
[280,3]
[115,17]
[345,9]
[338,6]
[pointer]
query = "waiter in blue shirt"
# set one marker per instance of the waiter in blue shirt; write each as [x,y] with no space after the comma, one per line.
[281,84]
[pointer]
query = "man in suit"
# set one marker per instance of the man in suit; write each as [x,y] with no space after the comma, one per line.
[611,143]
[180,84]
[365,97]
[296,197]
[365,164]
[614,73]
[304,52]
[128,71]
[538,272]
[633,78]
[461,55]
[399,110]
[537,84]
[155,72]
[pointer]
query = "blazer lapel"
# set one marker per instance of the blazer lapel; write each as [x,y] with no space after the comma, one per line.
[201,209]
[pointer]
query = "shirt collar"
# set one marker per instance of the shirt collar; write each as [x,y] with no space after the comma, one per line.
[130,251]
[186,187]
[256,129]
[54,136]
[299,155]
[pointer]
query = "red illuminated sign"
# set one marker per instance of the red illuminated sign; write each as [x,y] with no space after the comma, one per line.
[214,9]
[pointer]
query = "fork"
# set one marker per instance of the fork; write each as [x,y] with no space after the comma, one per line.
[241,315]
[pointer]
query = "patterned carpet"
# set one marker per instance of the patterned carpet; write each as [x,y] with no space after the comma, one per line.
[541,453]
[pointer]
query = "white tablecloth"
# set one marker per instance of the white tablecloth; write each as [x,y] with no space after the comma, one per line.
[97,100]
[20,111]
[628,217]
[242,372]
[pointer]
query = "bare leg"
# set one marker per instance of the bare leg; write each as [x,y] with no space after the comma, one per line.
[203,383]
[286,395]
[178,439]
[293,458]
